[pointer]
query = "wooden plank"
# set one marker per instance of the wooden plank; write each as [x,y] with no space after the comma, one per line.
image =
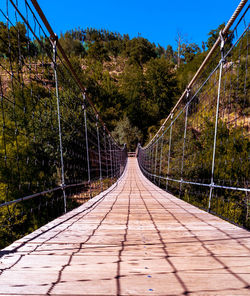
[134,239]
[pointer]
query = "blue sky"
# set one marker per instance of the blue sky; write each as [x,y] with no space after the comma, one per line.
[158,21]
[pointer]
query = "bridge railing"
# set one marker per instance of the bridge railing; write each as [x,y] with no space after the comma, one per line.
[200,153]
[55,151]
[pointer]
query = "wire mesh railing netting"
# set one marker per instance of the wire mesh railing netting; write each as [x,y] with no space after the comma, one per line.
[55,153]
[201,153]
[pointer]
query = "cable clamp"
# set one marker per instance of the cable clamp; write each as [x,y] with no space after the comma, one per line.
[222,44]
[53,41]
[53,38]
[222,61]
[222,40]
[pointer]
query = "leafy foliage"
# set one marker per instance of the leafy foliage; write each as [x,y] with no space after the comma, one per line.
[127,134]
[133,83]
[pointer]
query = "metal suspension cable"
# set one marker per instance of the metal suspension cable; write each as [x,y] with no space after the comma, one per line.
[59,125]
[205,144]
[99,153]
[52,148]
[212,50]
[77,79]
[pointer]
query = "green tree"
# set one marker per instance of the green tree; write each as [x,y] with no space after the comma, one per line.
[97,51]
[124,132]
[186,71]
[71,45]
[139,51]
[162,87]
[133,87]
[190,51]
[160,51]
[170,53]
[13,41]
[213,36]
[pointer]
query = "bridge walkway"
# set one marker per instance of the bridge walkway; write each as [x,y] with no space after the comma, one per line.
[134,239]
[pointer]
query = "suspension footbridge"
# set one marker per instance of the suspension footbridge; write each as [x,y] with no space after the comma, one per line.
[134,239]
[79,215]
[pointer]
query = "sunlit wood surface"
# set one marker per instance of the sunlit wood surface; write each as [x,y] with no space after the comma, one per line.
[134,240]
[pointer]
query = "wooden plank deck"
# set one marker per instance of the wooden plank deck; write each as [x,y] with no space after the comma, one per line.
[135,239]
